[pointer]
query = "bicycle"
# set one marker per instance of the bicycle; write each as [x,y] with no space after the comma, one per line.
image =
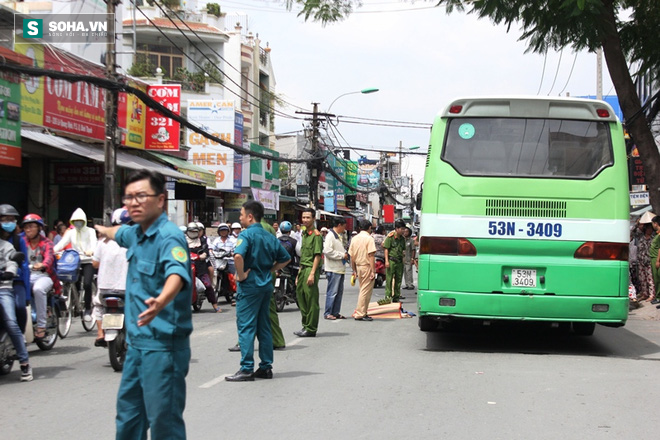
[73,293]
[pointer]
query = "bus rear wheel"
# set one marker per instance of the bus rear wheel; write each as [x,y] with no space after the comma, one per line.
[427,324]
[584,328]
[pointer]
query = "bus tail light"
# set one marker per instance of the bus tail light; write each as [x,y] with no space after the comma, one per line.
[446,246]
[603,113]
[455,109]
[592,250]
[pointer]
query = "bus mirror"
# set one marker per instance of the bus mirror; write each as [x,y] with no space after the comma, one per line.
[418,201]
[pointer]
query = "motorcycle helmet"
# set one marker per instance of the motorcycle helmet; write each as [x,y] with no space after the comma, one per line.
[285,226]
[236,225]
[192,226]
[120,217]
[223,227]
[8,210]
[32,218]
[201,226]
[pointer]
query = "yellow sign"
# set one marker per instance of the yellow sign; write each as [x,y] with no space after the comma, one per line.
[32,89]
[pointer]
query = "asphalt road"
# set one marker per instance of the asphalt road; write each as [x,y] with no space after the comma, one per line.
[371,380]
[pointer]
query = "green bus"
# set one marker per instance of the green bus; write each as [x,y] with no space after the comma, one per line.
[525,214]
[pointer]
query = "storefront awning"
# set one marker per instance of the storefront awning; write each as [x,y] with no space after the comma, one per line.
[185,167]
[288,199]
[322,212]
[95,153]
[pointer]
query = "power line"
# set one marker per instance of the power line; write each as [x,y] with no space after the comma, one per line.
[213,50]
[570,73]
[557,72]
[202,69]
[148,101]
[545,58]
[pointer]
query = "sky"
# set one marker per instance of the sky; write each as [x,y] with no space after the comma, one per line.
[418,56]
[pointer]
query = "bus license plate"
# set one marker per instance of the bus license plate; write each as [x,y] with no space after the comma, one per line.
[523,277]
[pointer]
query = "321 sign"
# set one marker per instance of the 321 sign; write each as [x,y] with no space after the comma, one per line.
[161,132]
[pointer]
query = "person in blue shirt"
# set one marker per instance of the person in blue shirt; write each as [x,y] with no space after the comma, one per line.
[257,254]
[152,393]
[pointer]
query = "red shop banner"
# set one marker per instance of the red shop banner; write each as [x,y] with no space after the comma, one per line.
[161,132]
[77,108]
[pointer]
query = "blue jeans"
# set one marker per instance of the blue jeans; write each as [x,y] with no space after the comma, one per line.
[8,308]
[334,294]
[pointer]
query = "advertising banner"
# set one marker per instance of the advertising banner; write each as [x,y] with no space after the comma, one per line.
[234,202]
[351,175]
[10,120]
[216,118]
[368,176]
[131,114]
[270,199]
[162,133]
[78,174]
[76,108]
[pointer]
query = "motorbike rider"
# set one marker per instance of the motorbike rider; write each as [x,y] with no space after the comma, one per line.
[83,240]
[226,242]
[42,263]
[201,248]
[236,229]
[9,269]
[110,261]
[21,285]
[289,244]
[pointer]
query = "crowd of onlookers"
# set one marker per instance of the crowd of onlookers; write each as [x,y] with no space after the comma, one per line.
[644,260]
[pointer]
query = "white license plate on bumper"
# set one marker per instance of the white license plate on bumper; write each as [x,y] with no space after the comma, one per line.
[113,321]
[523,277]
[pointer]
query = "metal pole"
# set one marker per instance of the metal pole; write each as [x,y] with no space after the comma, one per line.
[313,164]
[109,146]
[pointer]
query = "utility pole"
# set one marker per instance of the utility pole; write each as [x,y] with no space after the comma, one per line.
[313,170]
[111,102]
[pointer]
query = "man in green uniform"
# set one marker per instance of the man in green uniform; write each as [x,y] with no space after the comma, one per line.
[152,393]
[395,247]
[307,283]
[654,254]
[257,254]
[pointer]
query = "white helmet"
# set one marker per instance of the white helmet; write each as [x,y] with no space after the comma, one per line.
[200,225]
[183,228]
[236,225]
[192,226]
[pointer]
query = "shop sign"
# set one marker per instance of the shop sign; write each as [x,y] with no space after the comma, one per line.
[77,108]
[162,133]
[10,120]
[639,198]
[78,174]
[264,173]
[234,202]
[270,199]
[217,118]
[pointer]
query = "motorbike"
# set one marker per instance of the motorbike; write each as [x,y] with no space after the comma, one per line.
[198,288]
[54,311]
[115,328]
[225,284]
[285,288]
[380,272]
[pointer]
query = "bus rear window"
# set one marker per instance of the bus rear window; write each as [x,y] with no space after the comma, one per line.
[527,147]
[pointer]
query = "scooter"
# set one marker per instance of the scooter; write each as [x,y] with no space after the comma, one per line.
[380,272]
[198,287]
[285,288]
[7,350]
[114,328]
[225,284]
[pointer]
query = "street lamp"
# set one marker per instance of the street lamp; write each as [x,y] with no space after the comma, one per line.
[363,91]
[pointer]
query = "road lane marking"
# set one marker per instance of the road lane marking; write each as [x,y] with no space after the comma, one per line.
[215,381]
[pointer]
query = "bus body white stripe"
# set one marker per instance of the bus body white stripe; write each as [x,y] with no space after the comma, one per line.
[446,225]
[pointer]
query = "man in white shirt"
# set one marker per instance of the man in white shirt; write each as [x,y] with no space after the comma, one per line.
[335,269]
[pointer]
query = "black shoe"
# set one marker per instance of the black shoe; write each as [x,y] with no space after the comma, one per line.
[281,347]
[235,348]
[365,318]
[263,374]
[100,342]
[655,301]
[304,334]
[240,376]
